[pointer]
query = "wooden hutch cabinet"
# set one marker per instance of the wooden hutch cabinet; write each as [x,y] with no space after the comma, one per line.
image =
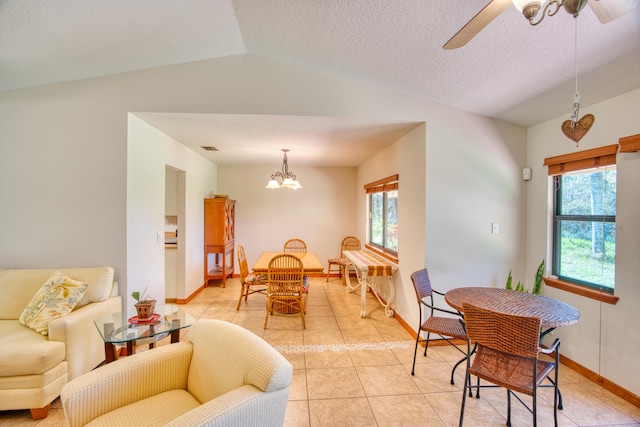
[219,239]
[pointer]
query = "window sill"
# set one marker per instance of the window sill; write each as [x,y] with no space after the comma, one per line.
[581,290]
[383,254]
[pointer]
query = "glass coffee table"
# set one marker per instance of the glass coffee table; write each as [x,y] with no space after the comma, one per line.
[125,329]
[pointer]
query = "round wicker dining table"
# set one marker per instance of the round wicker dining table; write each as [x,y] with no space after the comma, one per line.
[552,313]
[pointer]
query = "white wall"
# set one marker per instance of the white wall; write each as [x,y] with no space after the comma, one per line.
[605,339]
[85,122]
[458,174]
[77,191]
[321,213]
[149,152]
[63,173]
[455,181]
[407,159]
[474,177]
[64,154]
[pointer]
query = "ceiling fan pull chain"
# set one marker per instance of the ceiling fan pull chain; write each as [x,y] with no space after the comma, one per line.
[576,110]
[576,98]
[577,127]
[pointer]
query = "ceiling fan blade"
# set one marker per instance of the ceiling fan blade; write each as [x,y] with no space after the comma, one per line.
[477,23]
[608,10]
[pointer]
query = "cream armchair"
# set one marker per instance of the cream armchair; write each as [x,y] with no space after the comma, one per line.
[223,375]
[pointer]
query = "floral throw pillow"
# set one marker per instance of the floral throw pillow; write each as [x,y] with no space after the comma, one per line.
[56,298]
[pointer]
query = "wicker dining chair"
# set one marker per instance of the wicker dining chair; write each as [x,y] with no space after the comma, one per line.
[446,327]
[349,243]
[507,356]
[251,283]
[285,292]
[295,245]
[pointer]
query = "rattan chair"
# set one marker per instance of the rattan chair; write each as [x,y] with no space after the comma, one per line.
[251,283]
[445,327]
[295,245]
[507,356]
[349,243]
[285,286]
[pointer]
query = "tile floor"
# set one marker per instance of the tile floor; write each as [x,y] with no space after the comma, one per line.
[350,371]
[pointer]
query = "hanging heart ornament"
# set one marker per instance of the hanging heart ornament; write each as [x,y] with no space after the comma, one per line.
[575,131]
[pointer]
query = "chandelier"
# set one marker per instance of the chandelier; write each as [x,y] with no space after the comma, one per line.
[288,179]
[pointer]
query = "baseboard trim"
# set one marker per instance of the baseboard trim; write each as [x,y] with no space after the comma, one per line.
[190,297]
[614,388]
[608,385]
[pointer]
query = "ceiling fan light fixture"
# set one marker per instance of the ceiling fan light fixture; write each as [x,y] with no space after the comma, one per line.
[574,7]
[528,8]
[605,10]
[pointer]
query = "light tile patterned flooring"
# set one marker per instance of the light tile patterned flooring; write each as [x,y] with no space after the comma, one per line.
[350,371]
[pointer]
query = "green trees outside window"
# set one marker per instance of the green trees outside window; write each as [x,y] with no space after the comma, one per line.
[584,228]
[383,220]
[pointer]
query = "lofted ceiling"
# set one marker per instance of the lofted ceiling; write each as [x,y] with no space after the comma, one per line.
[510,70]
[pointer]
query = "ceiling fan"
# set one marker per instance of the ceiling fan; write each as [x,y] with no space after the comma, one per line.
[605,10]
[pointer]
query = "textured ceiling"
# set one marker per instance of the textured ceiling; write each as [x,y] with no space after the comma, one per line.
[313,141]
[511,70]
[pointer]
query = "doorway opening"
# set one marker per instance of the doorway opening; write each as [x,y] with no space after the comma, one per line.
[174,227]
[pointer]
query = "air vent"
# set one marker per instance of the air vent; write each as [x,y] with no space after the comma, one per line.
[209,148]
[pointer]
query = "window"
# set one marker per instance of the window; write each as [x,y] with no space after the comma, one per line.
[584,228]
[584,234]
[382,203]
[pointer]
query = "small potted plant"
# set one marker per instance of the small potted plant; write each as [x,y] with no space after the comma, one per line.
[145,305]
[536,284]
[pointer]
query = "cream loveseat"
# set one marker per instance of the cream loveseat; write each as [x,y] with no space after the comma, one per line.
[223,375]
[34,367]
